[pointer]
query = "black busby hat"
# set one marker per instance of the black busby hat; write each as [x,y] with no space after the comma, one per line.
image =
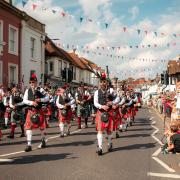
[33,77]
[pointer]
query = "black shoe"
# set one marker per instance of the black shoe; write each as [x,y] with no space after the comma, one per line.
[61,135]
[117,135]
[28,148]
[110,148]
[99,152]
[68,132]
[22,135]
[11,136]
[43,144]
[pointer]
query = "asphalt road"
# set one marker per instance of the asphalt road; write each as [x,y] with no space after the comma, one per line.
[74,157]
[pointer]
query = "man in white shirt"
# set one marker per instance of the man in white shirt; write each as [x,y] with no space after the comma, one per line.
[64,102]
[35,117]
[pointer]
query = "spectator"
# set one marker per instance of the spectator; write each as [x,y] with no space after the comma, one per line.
[172,141]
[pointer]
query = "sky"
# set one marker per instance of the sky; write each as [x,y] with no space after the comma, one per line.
[95,42]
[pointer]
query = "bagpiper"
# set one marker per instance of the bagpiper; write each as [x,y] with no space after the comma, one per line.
[103,101]
[33,98]
[17,113]
[82,97]
[64,102]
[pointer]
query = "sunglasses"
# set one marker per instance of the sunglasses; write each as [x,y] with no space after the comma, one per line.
[31,82]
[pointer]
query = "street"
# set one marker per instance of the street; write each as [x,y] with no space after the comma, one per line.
[75,157]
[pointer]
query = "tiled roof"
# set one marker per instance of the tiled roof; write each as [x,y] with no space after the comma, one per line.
[77,60]
[52,50]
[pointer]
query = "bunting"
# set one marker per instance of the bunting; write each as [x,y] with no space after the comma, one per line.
[81,19]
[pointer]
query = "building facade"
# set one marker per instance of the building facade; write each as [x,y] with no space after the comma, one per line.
[10,40]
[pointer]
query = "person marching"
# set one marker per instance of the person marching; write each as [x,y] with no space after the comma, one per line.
[64,102]
[104,115]
[6,101]
[17,115]
[2,111]
[35,117]
[82,97]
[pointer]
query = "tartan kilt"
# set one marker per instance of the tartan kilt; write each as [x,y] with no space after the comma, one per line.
[117,119]
[1,117]
[48,110]
[101,126]
[30,125]
[86,112]
[66,119]
[7,113]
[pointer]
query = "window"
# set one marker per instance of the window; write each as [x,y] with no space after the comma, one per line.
[51,66]
[60,68]
[74,73]
[13,40]
[13,74]
[32,49]
[1,32]
[1,73]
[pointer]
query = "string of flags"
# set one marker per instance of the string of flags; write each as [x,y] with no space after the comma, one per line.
[117,48]
[106,25]
[145,70]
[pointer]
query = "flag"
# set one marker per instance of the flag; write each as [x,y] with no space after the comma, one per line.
[124,29]
[81,19]
[34,6]
[138,31]
[24,3]
[106,24]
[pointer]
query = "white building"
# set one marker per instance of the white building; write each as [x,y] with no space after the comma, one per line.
[32,49]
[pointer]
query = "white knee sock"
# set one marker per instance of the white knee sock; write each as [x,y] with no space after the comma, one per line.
[109,139]
[100,140]
[61,126]
[6,121]
[29,137]
[43,134]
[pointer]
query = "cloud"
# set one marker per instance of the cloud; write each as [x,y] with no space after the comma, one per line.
[94,34]
[134,11]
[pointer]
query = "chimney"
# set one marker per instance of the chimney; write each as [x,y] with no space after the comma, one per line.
[9,1]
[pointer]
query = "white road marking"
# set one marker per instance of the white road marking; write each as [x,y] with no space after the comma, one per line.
[6,160]
[20,152]
[175,176]
[151,118]
[156,153]
[163,164]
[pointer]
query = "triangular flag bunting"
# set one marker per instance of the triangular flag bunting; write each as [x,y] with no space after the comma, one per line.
[53,11]
[34,6]
[63,14]
[24,3]
[124,29]
[81,19]
[138,31]
[106,24]
[155,34]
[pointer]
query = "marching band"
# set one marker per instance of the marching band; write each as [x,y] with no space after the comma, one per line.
[112,112]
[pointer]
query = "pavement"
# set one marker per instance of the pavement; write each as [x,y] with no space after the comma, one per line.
[135,155]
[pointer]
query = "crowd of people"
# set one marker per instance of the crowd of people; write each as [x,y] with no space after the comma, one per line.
[167,104]
[109,110]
